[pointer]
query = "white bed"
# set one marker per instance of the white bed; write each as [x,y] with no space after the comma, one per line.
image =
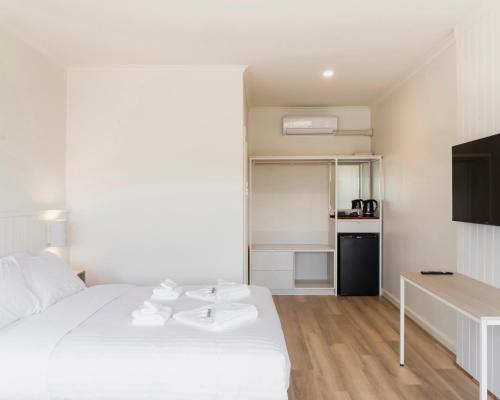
[85,347]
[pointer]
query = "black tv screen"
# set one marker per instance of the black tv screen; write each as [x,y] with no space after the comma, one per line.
[476,181]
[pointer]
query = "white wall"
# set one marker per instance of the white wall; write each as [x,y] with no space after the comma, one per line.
[155,159]
[290,203]
[414,126]
[478,63]
[265,132]
[32,129]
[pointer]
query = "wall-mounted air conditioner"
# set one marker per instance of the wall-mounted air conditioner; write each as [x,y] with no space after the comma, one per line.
[310,125]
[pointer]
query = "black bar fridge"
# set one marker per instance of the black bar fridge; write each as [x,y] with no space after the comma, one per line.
[358,264]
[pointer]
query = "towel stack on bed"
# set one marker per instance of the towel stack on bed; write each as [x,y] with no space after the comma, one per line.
[214,317]
[151,314]
[168,290]
[229,291]
[224,291]
[219,316]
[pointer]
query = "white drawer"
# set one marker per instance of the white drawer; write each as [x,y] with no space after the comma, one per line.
[271,260]
[358,226]
[272,279]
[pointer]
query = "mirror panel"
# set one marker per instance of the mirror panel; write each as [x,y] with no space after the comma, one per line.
[354,180]
[348,185]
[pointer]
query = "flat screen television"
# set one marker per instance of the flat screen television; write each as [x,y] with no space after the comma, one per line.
[476,181]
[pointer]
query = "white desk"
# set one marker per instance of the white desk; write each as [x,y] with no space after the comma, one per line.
[470,297]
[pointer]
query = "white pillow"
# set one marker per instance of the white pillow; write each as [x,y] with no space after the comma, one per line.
[49,277]
[16,300]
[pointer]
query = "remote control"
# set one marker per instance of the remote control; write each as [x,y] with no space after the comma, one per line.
[436,273]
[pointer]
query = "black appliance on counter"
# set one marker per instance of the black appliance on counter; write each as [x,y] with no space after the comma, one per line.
[369,207]
[357,204]
[358,264]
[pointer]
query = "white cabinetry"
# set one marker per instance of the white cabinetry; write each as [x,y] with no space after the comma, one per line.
[273,279]
[276,260]
[282,268]
[273,269]
[293,231]
[358,226]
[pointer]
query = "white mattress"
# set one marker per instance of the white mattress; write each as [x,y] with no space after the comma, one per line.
[85,347]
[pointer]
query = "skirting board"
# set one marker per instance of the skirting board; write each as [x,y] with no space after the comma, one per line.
[425,325]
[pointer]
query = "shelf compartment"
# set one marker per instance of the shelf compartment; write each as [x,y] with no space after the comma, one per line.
[313,284]
[314,270]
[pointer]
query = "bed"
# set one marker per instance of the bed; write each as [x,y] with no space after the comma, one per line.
[85,347]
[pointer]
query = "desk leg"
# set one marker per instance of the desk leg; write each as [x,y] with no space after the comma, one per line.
[483,377]
[402,321]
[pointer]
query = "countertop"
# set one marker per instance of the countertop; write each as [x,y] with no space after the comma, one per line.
[355,217]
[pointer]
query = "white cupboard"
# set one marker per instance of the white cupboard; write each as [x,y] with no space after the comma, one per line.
[292,218]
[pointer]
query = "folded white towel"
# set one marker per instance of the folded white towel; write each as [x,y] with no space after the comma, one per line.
[144,317]
[168,284]
[206,294]
[151,307]
[219,316]
[223,291]
[162,294]
[229,291]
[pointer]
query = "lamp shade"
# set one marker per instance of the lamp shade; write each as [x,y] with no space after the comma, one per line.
[56,233]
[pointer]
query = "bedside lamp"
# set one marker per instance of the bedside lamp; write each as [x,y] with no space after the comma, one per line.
[56,233]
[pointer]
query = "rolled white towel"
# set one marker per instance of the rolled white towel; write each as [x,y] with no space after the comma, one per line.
[229,291]
[219,316]
[168,284]
[162,294]
[144,317]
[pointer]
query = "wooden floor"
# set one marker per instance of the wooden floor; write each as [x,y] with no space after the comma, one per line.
[348,348]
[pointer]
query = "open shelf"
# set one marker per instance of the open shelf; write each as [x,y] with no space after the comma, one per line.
[313,284]
[303,248]
[313,270]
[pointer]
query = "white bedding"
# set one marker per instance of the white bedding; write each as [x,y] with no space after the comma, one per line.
[85,347]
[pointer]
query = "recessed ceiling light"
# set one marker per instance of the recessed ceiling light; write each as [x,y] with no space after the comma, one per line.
[328,73]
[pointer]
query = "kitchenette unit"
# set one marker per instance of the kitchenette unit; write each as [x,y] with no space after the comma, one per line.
[315,224]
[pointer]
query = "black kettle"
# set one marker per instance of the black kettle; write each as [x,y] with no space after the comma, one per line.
[357,204]
[369,207]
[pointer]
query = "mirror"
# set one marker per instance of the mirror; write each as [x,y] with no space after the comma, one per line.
[353,181]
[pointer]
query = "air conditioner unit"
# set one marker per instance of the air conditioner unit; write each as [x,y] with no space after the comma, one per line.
[310,125]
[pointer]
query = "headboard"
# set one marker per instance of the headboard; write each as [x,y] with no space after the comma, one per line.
[24,231]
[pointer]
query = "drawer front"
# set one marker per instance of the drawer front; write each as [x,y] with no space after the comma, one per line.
[272,279]
[271,260]
[354,226]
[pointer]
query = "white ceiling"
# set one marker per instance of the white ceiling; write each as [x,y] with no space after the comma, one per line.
[287,44]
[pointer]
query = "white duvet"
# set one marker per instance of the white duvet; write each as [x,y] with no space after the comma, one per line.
[85,347]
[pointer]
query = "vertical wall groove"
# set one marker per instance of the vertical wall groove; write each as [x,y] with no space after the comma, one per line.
[478,91]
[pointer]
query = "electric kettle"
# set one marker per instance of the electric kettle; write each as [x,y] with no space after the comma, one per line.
[369,207]
[357,204]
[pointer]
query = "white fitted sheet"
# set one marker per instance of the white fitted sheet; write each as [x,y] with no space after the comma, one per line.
[86,347]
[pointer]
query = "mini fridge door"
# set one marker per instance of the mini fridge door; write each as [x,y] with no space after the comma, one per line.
[358,264]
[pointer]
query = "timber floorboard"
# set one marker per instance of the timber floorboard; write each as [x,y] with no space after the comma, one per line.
[347,348]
